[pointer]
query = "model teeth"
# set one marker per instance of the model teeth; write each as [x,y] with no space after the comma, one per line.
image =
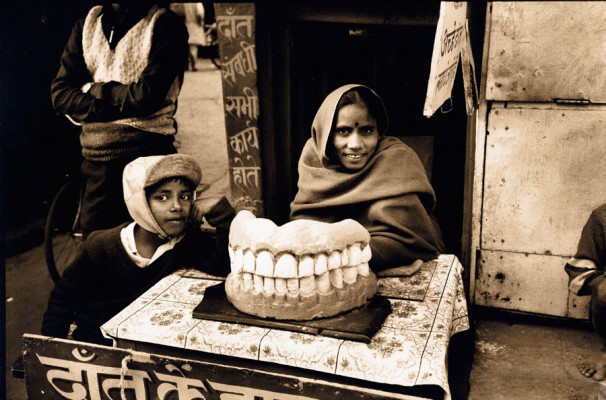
[350,274]
[355,254]
[344,258]
[363,269]
[239,259]
[248,280]
[366,254]
[321,264]
[292,284]
[265,264]
[323,282]
[354,156]
[269,285]
[258,282]
[249,262]
[336,278]
[306,267]
[307,284]
[334,260]
[288,274]
[232,258]
[286,266]
[280,285]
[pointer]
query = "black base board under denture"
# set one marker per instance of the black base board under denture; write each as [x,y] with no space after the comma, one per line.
[359,324]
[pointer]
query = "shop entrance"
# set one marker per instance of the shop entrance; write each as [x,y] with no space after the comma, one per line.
[311,56]
[394,61]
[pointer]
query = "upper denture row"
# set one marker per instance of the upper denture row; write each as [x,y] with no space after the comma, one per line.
[288,265]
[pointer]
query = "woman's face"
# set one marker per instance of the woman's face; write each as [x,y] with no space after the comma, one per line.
[355,136]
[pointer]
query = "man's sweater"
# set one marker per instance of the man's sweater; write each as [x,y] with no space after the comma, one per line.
[137,64]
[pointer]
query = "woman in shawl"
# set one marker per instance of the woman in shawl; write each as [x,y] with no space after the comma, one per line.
[350,169]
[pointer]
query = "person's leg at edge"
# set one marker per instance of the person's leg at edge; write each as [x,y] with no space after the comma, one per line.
[595,367]
[102,205]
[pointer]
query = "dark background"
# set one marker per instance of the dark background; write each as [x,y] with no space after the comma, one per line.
[306,49]
[300,58]
[38,147]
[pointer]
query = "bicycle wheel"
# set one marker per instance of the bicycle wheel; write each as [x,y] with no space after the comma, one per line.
[62,237]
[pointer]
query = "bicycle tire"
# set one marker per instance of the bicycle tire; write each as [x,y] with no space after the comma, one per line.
[62,238]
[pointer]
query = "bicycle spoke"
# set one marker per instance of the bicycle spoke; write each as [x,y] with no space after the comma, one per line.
[59,241]
[61,247]
[63,260]
[68,253]
[65,252]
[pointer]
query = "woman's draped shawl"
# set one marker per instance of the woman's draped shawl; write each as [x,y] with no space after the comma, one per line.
[390,196]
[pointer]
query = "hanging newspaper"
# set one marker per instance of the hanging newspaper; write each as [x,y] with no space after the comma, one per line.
[450,38]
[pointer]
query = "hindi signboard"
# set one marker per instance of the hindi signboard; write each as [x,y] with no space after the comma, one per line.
[236,36]
[450,38]
[67,369]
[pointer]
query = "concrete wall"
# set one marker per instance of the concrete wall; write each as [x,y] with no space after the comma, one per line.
[202,127]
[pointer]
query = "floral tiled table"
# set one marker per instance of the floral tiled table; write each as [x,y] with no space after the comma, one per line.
[410,348]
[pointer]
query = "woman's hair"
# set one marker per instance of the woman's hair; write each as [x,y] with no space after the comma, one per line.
[364,96]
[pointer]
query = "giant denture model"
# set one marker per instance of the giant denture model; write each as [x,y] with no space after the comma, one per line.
[299,271]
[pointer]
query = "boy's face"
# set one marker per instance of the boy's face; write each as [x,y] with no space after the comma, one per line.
[170,204]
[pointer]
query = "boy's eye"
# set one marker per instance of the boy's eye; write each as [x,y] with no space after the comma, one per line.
[161,197]
[186,196]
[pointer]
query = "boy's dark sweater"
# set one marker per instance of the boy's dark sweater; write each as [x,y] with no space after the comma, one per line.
[103,279]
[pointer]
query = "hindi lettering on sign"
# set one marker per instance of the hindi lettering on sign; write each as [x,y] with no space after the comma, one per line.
[249,58]
[233,392]
[450,33]
[137,383]
[236,36]
[230,68]
[72,371]
[246,175]
[238,175]
[243,63]
[248,137]
[247,105]
[451,40]
[185,388]
[252,136]
[232,26]
[446,75]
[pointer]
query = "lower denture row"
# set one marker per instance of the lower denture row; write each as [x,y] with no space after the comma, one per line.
[323,283]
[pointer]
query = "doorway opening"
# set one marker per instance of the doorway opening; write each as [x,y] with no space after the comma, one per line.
[395,61]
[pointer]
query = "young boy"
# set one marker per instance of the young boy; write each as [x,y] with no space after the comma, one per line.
[117,265]
[586,272]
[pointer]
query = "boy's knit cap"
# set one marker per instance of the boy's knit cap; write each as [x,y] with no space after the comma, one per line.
[171,166]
